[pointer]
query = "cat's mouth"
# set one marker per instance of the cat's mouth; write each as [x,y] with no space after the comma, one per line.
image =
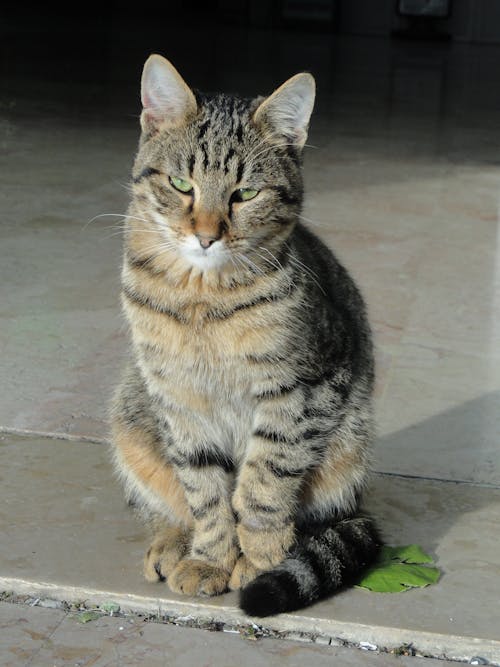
[212,257]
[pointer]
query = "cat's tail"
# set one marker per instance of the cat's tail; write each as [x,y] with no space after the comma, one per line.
[322,560]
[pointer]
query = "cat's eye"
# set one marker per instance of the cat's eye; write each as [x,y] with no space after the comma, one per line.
[181,185]
[244,194]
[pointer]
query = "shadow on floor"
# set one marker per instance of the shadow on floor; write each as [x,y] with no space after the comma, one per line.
[434,474]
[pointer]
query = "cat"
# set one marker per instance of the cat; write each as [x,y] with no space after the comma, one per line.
[243,424]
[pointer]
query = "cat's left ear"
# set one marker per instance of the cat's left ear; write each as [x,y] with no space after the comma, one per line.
[286,113]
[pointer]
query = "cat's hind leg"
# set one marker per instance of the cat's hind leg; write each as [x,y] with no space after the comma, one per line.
[195,546]
[244,572]
[151,484]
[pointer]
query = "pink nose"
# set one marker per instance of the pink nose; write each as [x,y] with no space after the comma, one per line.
[205,241]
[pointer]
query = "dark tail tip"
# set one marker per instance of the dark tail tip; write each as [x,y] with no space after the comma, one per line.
[270,593]
[318,565]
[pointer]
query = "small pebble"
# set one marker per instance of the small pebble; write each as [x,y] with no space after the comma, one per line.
[367,646]
[477,660]
[51,604]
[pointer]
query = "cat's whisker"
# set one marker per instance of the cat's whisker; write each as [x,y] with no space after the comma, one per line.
[278,265]
[127,228]
[149,221]
[305,269]
[126,186]
[267,260]
[316,223]
[140,230]
[276,260]
[257,146]
[268,139]
[158,252]
[271,146]
[102,215]
[123,216]
[238,263]
[121,230]
[111,236]
[255,268]
[159,248]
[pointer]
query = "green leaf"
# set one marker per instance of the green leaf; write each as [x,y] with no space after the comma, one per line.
[392,578]
[110,607]
[399,569]
[410,553]
[87,616]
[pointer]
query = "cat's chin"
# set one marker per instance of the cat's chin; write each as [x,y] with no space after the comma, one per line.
[212,258]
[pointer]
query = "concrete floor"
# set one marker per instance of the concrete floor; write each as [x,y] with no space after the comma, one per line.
[403,183]
[72,538]
[53,638]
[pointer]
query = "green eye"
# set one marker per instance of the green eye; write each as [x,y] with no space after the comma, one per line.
[180,184]
[244,194]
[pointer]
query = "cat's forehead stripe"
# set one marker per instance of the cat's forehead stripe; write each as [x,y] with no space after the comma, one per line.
[230,154]
[241,169]
[219,132]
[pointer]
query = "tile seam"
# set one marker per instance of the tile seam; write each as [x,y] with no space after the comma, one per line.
[70,437]
[444,480]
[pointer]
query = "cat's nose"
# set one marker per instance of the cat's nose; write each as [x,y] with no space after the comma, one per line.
[206,241]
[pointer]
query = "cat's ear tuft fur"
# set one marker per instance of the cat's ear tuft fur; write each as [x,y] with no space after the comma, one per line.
[286,113]
[166,98]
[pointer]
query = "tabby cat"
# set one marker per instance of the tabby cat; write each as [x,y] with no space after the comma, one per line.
[242,426]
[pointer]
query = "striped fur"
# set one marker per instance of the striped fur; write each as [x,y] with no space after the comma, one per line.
[242,427]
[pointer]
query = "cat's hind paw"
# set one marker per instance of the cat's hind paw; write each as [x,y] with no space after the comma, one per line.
[196,577]
[166,550]
[266,548]
[244,572]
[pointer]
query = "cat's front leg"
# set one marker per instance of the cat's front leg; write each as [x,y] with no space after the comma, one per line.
[265,531]
[206,479]
[266,496]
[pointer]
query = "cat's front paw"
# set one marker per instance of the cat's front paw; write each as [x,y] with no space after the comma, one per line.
[244,572]
[266,548]
[196,577]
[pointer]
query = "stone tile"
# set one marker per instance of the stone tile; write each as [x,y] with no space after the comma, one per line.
[23,632]
[458,292]
[438,416]
[73,537]
[62,335]
[131,642]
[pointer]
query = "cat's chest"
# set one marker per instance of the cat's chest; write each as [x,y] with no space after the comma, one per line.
[194,319]
[199,338]
[203,390]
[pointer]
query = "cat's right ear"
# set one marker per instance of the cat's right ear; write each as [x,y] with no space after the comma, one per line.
[167,100]
[285,114]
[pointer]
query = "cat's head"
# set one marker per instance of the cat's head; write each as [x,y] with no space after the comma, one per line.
[218,178]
